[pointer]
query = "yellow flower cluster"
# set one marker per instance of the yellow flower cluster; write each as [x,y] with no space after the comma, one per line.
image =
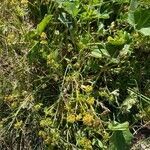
[72,118]
[88,119]
[90,100]
[43,37]
[46,122]
[10,38]
[24,1]
[37,107]
[87,88]
[42,134]
[85,143]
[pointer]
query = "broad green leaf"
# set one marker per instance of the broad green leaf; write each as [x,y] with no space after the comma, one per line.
[118,126]
[127,136]
[117,141]
[133,5]
[105,52]
[96,53]
[71,8]
[145,31]
[140,20]
[42,25]
[120,140]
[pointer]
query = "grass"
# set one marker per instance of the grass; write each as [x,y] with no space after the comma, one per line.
[74,74]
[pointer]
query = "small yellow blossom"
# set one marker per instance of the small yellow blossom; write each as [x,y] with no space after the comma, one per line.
[43,35]
[14,105]
[9,98]
[10,38]
[78,117]
[71,118]
[46,122]
[42,134]
[48,140]
[24,1]
[37,107]
[88,119]
[85,143]
[18,124]
[87,88]
[44,42]
[91,100]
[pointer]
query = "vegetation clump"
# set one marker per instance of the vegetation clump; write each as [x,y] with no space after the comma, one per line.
[74,74]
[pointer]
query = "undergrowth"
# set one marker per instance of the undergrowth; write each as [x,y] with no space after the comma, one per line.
[73,74]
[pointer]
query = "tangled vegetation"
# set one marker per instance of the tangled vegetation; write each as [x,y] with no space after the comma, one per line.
[74,74]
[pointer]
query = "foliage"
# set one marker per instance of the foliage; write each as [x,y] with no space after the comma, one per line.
[74,74]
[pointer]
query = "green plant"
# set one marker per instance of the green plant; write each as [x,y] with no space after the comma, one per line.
[73,74]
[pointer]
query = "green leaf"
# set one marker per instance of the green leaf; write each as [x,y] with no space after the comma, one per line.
[72,8]
[97,142]
[42,25]
[120,140]
[105,52]
[129,101]
[145,31]
[118,126]
[127,136]
[133,5]
[140,20]
[96,53]
[117,141]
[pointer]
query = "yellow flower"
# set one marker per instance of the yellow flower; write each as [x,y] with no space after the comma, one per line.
[78,117]
[43,35]
[71,118]
[91,100]
[44,42]
[14,105]
[18,124]
[42,134]
[9,98]
[24,1]
[46,122]
[48,140]
[85,143]
[87,88]
[88,119]
[10,38]
[37,107]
